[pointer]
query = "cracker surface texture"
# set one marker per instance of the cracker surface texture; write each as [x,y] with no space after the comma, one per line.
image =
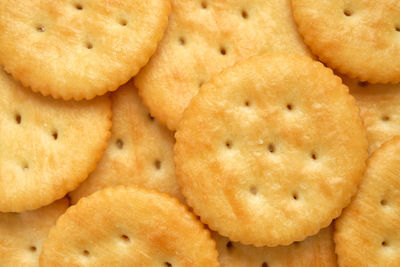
[129,226]
[360,38]
[48,147]
[271,150]
[368,232]
[203,38]
[315,251]
[82,48]
[22,234]
[140,150]
[380,109]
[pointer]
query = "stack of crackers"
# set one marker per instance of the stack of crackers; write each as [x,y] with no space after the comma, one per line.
[200,133]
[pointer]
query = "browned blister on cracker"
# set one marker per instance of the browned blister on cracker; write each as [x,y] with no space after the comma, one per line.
[139,152]
[82,48]
[368,232]
[204,37]
[48,147]
[129,226]
[271,150]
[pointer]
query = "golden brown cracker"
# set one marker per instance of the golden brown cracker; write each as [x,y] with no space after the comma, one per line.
[315,251]
[203,38]
[22,234]
[271,150]
[368,232]
[380,109]
[128,226]
[140,150]
[48,147]
[81,48]
[360,38]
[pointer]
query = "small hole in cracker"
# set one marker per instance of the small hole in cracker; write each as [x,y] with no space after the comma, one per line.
[247,103]
[253,190]
[182,41]
[204,4]
[25,166]
[167,264]
[86,253]
[151,118]
[228,144]
[123,22]
[32,248]
[78,6]
[347,12]
[289,106]
[201,83]
[125,238]
[264,264]
[157,164]
[89,45]
[229,245]
[397,28]
[222,50]
[55,135]
[363,84]
[244,14]
[385,118]
[384,243]
[314,156]
[40,28]
[119,143]
[295,196]
[18,118]
[383,202]
[271,148]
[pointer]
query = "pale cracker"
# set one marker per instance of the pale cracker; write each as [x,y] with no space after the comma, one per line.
[315,251]
[22,234]
[380,109]
[360,38]
[48,147]
[79,48]
[129,226]
[203,38]
[271,150]
[368,232]
[140,150]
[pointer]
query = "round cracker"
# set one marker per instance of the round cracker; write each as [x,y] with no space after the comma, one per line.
[379,108]
[205,37]
[79,49]
[360,38]
[48,147]
[368,232]
[316,251]
[139,152]
[22,234]
[129,226]
[271,150]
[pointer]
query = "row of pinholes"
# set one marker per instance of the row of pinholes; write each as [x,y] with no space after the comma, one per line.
[78,6]
[18,120]
[348,12]
[120,145]
[366,84]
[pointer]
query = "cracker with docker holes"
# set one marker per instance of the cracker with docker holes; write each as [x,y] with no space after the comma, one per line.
[79,48]
[360,38]
[380,109]
[22,234]
[315,251]
[271,150]
[368,232]
[48,147]
[128,226]
[140,150]
[204,37]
